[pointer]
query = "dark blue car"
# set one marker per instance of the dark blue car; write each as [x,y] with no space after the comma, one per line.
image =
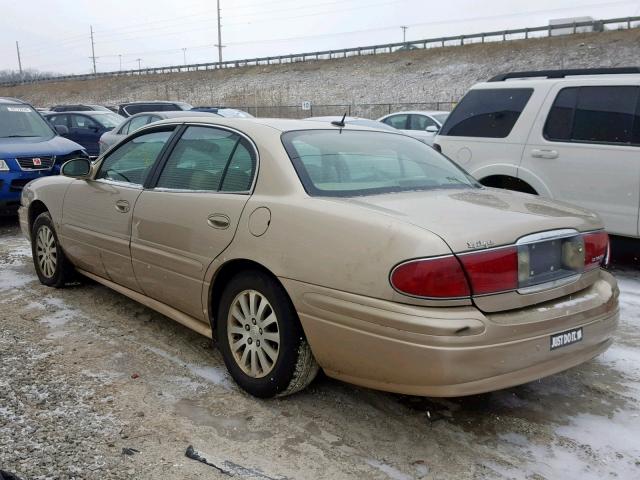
[85,128]
[29,148]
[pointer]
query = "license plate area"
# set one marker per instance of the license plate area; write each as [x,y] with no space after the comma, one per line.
[550,262]
[563,339]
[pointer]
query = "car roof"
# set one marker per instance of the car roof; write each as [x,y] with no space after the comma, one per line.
[419,112]
[280,124]
[537,82]
[176,113]
[12,101]
[144,102]
[80,112]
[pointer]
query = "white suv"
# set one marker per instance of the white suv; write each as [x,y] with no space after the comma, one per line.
[571,135]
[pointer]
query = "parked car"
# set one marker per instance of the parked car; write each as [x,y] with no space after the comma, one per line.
[301,245]
[423,125]
[134,122]
[362,122]
[224,112]
[78,107]
[86,128]
[572,135]
[131,108]
[29,148]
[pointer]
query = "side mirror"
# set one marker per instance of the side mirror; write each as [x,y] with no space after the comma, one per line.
[76,168]
[61,129]
[432,129]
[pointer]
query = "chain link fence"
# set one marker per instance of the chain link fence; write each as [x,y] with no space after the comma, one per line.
[364,110]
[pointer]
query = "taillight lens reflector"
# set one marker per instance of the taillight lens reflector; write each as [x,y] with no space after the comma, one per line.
[596,247]
[440,277]
[492,271]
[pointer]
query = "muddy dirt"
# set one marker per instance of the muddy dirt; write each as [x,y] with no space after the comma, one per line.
[96,386]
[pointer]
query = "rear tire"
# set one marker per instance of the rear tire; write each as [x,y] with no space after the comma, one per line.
[52,266]
[261,339]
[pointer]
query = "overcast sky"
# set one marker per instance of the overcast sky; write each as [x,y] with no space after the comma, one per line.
[54,34]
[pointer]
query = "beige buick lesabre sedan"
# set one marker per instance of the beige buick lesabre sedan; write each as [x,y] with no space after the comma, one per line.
[299,246]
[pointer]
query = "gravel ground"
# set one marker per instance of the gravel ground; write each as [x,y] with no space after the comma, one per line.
[86,373]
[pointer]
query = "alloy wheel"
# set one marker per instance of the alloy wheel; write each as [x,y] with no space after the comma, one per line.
[46,251]
[253,333]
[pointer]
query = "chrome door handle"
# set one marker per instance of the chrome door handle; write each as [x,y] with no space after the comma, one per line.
[219,221]
[539,153]
[122,206]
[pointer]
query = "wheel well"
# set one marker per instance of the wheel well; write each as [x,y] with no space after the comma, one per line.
[508,183]
[35,209]
[222,277]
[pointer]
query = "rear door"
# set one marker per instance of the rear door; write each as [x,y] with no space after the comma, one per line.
[189,214]
[585,148]
[97,213]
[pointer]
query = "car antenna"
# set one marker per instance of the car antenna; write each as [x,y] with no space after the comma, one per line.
[340,123]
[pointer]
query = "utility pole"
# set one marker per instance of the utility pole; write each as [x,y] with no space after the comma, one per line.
[19,60]
[120,61]
[219,44]
[184,55]
[404,33]
[93,50]
[139,65]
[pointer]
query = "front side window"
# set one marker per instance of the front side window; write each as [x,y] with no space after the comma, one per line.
[137,122]
[82,122]
[397,121]
[602,114]
[20,120]
[131,161]
[489,113]
[58,120]
[351,163]
[421,122]
[209,159]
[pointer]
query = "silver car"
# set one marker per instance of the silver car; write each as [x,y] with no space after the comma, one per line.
[134,122]
[423,125]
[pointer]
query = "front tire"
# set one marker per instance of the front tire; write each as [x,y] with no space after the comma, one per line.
[52,266]
[261,339]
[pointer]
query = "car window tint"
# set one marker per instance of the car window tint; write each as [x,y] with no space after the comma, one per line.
[131,161]
[137,123]
[349,163]
[199,159]
[560,119]
[58,120]
[239,174]
[397,121]
[80,121]
[490,113]
[421,122]
[605,114]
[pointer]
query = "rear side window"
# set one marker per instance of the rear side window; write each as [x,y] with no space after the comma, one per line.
[211,159]
[487,113]
[607,114]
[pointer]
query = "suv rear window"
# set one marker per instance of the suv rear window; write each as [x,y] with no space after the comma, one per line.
[490,113]
[603,114]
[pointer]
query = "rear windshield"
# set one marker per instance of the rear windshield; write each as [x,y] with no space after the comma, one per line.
[487,113]
[22,121]
[350,163]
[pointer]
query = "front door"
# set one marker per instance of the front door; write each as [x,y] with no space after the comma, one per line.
[191,214]
[85,131]
[97,213]
[587,151]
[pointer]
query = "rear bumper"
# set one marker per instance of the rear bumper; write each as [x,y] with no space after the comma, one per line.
[452,351]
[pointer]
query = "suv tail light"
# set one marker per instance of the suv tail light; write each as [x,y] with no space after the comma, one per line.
[526,267]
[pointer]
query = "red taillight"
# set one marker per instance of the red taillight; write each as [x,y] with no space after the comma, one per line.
[492,271]
[596,246]
[440,277]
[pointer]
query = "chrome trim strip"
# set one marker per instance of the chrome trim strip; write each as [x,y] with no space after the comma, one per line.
[560,282]
[186,190]
[547,235]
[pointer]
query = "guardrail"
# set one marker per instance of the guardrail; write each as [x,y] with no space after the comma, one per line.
[499,35]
